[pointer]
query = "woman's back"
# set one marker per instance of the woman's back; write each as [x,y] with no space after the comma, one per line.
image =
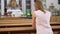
[43,18]
[43,21]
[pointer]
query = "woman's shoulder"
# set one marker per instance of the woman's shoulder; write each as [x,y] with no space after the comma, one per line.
[35,11]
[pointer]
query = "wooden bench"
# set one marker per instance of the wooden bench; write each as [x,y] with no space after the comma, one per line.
[23,29]
[55,19]
[18,29]
[55,25]
[18,24]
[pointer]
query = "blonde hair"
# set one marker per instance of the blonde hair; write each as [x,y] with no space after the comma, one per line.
[39,5]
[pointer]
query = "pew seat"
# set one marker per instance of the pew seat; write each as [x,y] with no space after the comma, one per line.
[23,28]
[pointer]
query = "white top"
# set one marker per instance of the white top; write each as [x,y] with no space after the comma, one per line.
[43,22]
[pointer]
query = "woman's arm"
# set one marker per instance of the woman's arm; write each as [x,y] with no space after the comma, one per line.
[34,21]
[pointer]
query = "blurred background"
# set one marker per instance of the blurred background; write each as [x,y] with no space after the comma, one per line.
[16,16]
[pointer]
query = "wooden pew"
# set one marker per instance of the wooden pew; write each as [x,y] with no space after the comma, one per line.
[55,19]
[22,29]
[23,24]
[55,25]
[17,23]
[15,29]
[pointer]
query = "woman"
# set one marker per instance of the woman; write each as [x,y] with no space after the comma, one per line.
[41,19]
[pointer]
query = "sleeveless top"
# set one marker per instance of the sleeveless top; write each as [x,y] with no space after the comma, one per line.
[43,22]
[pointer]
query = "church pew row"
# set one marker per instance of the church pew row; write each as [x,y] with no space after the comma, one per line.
[8,26]
[24,29]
